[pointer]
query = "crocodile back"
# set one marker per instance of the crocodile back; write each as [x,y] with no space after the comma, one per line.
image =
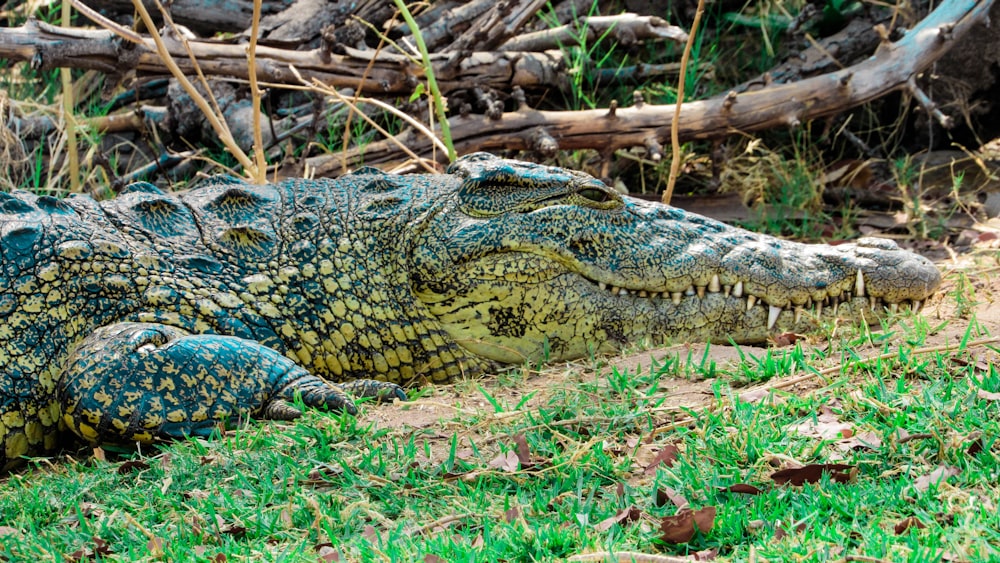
[316,270]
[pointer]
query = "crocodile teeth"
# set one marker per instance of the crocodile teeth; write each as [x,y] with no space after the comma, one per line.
[727,289]
[819,308]
[751,301]
[894,307]
[714,285]
[859,285]
[642,293]
[798,314]
[738,289]
[873,301]
[689,291]
[916,306]
[623,291]
[602,285]
[772,316]
[614,290]
[676,297]
[701,291]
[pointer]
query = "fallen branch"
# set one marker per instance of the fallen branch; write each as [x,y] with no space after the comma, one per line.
[775,105]
[500,23]
[439,25]
[201,16]
[627,29]
[372,72]
[779,105]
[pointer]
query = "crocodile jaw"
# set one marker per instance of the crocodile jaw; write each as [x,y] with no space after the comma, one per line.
[563,282]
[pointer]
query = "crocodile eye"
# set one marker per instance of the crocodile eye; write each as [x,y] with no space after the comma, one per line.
[594,194]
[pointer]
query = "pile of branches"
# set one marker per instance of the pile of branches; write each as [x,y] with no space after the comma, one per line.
[495,62]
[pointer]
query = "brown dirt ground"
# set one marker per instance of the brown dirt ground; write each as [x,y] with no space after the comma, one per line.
[431,416]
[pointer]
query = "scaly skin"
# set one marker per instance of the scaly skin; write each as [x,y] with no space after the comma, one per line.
[156,315]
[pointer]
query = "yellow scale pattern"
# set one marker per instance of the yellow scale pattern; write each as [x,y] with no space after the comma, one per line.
[156,315]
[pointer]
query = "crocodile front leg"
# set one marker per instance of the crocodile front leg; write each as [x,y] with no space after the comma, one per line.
[143,382]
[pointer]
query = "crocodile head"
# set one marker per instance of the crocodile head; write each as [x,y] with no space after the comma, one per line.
[524,261]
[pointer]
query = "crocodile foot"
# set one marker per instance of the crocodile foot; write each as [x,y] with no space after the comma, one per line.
[146,382]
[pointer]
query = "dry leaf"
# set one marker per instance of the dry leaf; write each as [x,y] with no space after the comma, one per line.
[505,461]
[826,425]
[165,461]
[705,555]
[667,456]
[132,466]
[196,494]
[626,515]
[285,517]
[155,546]
[229,528]
[863,440]
[785,339]
[742,488]
[975,446]
[705,519]
[100,549]
[755,395]
[511,514]
[986,237]
[680,527]
[988,395]
[935,477]
[321,475]
[521,444]
[524,454]
[838,472]
[369,533]
[327,554]
[952,557]
[907,523]
[782,531]
[665,494]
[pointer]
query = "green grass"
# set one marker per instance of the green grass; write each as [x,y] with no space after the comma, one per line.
[454,488]
[370,490]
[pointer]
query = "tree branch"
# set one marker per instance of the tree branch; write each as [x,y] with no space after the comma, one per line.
[779,105]
[376,73]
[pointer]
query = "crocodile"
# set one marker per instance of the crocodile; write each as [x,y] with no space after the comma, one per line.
[157,315]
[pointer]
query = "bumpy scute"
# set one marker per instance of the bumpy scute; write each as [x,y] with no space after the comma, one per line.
[155,315]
